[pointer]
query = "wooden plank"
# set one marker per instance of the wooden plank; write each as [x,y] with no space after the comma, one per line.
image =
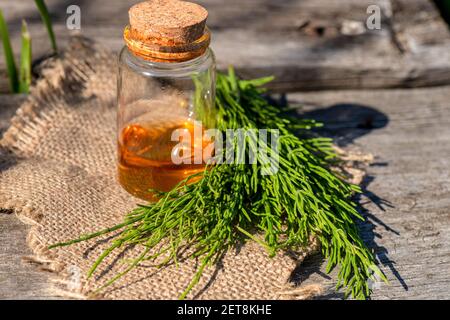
[302,43]
[8,107]
[407,194]
[18,280]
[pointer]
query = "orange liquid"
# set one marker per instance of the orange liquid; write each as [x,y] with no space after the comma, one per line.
[145,159]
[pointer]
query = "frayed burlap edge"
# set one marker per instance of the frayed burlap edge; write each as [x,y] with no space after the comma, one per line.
[67,77]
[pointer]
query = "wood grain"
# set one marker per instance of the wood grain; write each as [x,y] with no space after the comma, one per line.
[18,279]
[8,107]
[406,197]
[407,192]
[308,44]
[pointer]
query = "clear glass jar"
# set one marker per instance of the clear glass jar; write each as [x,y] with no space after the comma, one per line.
[160,92]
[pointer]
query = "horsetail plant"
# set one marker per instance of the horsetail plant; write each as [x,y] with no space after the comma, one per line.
[234,202]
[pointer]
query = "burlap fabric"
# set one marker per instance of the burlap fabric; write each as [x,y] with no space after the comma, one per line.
[57,172]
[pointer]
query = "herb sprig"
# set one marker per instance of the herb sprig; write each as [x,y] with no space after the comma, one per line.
[236,202]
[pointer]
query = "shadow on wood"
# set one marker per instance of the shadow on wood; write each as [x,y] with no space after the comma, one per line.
[346,122]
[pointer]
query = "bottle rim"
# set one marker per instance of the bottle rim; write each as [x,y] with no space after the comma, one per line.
[168,53]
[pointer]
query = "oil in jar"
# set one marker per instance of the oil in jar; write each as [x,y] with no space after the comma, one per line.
[145,149]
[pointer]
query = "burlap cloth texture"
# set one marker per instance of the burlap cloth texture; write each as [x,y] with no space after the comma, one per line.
[58,173]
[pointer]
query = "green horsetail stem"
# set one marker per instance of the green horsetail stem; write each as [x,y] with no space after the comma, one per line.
[232,203]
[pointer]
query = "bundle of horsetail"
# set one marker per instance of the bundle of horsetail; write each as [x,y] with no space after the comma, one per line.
[228,203]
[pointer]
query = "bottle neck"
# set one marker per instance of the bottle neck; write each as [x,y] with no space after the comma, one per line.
[156,51]
[152,68]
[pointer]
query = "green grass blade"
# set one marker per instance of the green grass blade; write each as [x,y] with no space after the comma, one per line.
[9,56]
[25,60]
[47,21]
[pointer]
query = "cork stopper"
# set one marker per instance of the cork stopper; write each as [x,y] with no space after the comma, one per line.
[168,21]
[167,30]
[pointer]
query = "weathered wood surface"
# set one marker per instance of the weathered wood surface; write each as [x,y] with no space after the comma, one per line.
[8,107]
[306,44]
[407,130]
[407,196]
[18,280]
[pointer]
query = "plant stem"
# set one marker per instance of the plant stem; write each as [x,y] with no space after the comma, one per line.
[9,55]
[234,202]
[47,21]
[96,234]
[25,60]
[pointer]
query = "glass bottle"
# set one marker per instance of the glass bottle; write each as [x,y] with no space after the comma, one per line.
[166,83]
